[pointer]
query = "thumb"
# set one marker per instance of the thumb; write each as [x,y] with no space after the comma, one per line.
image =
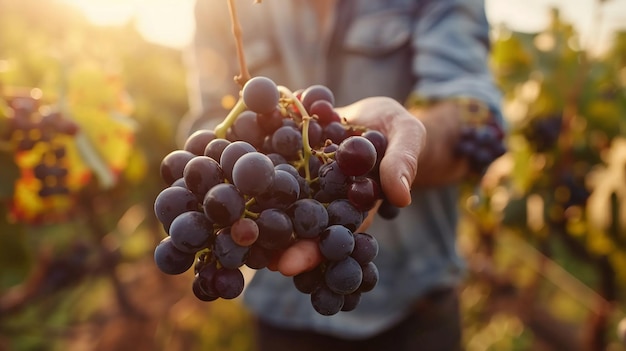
[398,166]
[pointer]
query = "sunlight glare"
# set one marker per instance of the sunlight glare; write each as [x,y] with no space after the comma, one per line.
[165,22]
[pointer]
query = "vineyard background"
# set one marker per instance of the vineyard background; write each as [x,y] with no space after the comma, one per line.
[544,235]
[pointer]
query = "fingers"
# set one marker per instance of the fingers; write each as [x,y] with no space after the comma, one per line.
[398,167]
[300,257]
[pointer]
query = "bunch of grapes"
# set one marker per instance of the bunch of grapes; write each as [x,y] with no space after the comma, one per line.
[543,132]
[30,124]
[280,168]
[480,144]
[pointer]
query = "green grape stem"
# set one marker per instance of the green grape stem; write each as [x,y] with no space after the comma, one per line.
[306,147]
[220,130]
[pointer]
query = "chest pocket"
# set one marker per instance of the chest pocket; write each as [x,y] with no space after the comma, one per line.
[380,33]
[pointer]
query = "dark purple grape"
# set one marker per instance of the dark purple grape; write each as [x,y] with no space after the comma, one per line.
[247,129]
[199,293]
[370,277]
[333,181]
[191,232]
[224,204]
[365,248]
[335,132]
[275,229]
[343,277]
[324,111]
[260,94]
[284,191]
[215,148]
[363,193]
[325,301]
[198,140]
[170,260]
[356,156]
[336,243]
[227,252]
[287,141]
[253,173]
[277,159]
[258,257]
[388,211]
[205,278]
[201,174]
[269,122]
[309,218]
[342,212]
[379,141]
[173,164]
[306,282]
[315,93]
[173,201]
[351,301]
[232,152]
[228,283]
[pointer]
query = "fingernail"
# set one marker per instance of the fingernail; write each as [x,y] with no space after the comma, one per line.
[405,182]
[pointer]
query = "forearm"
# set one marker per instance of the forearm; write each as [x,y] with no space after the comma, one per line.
[437,163]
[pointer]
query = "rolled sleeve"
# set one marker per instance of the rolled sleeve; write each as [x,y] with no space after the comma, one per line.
[452,44]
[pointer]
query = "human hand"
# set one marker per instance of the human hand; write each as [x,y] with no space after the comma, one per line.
[406,137]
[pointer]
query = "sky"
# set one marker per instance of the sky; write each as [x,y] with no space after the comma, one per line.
[170,22]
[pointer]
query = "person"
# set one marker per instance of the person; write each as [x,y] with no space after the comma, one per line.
[405,67]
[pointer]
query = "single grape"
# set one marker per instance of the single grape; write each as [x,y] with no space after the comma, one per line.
[335,132]
[351,301]
[258,257]
[275,229]
[253,173]
[333,181]
[287,141]
[307,281]
[344,213]
[229,283]
[324,111]
[269,122]
[260,94]
[336,243]
[363,193]
[170,260]
[356,156]
[201,174]
[325,301]
[284,191]
[215,148]
[196,143]
[309,218]
[247,129]
[173,164]
[365,248]
[191,232]
[387,210]
[224,204]
[315,93]
[343,277]
[370,277]
[244,232]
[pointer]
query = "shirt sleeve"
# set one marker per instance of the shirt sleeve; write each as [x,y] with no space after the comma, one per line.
[452,45]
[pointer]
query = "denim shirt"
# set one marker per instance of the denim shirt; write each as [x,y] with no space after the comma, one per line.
[397,48]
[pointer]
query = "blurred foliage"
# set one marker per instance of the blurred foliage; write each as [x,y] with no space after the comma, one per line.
[549,218]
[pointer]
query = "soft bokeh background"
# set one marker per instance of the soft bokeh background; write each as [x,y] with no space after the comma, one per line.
[544,235]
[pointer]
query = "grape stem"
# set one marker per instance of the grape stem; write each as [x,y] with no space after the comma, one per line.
[306,147]
[244,75]
[220,130]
